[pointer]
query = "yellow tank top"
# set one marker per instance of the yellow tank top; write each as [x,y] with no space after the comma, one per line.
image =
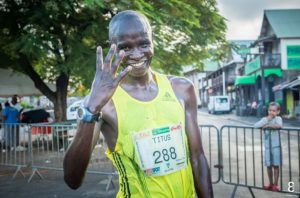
[135,116]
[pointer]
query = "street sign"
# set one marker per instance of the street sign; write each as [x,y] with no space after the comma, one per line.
[244,51]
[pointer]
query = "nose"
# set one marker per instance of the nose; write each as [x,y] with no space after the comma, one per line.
[136,54]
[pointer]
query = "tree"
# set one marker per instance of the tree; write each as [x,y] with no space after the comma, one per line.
[55,41]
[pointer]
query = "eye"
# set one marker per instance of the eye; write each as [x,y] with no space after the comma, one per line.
[144,45]
[125,48]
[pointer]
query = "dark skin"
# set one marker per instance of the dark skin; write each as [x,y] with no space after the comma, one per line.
[134,48]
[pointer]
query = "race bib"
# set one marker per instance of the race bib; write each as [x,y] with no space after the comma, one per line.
[160,151]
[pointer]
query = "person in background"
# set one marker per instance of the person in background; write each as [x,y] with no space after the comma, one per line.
[10,118]
[271,125]
[15,104]
[1,114]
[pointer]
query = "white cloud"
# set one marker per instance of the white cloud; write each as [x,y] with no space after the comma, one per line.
[244,17]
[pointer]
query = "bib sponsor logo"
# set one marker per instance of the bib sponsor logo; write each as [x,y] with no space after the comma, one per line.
[167,97]
[152,171]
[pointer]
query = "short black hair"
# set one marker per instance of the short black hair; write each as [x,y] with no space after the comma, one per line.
[276,104]
[126,15]
[7,104]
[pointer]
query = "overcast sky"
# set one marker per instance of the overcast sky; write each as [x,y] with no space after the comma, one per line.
[244,17]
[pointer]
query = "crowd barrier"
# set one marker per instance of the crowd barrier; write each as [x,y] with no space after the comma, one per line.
[43,147]
[235,154]
[242,151]
[210,142]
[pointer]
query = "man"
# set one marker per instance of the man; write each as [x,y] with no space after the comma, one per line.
[149,121]
[15,104]
[10,119]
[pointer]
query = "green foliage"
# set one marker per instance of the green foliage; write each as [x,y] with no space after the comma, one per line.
[25,105]
[61,36]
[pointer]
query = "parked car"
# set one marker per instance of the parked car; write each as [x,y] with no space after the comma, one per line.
[219,104]
[72,110]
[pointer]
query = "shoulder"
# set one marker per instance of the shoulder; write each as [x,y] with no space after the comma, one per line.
[278,118]
[181,85]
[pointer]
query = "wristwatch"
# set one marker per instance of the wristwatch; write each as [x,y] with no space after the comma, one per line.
[83,114]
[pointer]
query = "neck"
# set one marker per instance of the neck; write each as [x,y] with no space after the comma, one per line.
[140,81]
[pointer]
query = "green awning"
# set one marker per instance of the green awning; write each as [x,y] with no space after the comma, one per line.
[268,72]
[245,80]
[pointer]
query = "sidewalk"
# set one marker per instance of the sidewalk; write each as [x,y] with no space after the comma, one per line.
[250,120]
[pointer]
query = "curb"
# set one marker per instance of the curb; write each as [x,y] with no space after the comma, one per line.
[244,122]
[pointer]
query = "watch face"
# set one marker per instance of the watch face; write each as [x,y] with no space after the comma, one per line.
[80,113]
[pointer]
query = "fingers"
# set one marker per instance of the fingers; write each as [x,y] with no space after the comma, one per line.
[123,74]
[99,58]
[109,56]
[117,62]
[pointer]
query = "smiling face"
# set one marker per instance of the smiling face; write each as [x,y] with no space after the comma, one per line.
[132,33]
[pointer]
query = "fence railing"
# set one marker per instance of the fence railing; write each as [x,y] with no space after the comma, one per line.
[43,146]
[210,141]
[243,158]
[235,154]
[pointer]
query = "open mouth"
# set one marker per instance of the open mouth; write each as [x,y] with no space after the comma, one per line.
[137,65]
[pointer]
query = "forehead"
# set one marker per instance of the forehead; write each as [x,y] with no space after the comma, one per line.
[273,108]
[130,28]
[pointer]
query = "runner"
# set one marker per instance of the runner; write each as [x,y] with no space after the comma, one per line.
[149,120]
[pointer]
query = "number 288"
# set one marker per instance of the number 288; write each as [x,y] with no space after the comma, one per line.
[164,155]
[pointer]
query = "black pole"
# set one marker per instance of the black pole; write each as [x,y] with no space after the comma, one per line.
[263,88]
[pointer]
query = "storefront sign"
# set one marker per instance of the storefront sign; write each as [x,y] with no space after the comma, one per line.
[293,56]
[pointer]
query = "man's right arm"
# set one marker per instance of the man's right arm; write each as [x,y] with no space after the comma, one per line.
[104,85]
[78,155]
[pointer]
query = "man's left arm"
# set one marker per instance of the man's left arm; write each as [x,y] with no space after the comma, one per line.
[201,171]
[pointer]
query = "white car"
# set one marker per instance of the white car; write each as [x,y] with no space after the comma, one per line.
[219,104]
[72,110]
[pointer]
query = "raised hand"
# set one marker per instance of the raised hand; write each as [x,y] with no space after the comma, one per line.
[105,80]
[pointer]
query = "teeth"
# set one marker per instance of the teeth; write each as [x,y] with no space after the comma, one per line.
[137,64]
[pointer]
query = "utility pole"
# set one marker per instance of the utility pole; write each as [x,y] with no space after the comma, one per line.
[224,87]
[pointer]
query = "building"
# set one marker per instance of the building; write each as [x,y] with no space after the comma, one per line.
[221,81]
[273,73]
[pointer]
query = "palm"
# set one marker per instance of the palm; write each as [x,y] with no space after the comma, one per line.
[106,81]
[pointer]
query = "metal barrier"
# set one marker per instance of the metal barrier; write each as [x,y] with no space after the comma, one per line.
[242,158]
[49,144]
[43,146]
[210,141]
[235,154]
[14,146]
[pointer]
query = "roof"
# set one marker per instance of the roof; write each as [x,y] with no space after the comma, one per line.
[210,65]
[287,85]
[285,23]
[13,82]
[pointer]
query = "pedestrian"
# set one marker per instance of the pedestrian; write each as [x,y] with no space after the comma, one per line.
[15,104]
[1,114]
[272,125]
[10,118]
[149,120]
[253,107]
